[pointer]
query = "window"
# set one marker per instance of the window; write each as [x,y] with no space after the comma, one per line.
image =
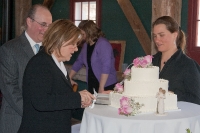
[85,10]
[198,24]
[193,36]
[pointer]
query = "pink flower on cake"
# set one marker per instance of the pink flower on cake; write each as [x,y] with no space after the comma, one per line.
[136,62]
[125,106]
[129,107]
[127,74]
[119,88]
[127,71]
[148,58]
[126,110]
[124,101]
[143,61]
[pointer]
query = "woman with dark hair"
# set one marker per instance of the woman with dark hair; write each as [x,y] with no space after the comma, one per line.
[182,72]
[97,55]
[48,98]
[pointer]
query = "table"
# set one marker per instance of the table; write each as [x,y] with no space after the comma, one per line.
[105,119]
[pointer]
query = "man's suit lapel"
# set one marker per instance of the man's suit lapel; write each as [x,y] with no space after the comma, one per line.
[26,46]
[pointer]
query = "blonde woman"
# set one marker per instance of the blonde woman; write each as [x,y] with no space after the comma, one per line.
[47,91]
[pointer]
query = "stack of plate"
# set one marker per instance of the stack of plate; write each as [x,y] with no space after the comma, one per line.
[103,99]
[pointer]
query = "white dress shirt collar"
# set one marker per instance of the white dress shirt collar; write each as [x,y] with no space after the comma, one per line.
[31,40]
[60,65]
[32,43]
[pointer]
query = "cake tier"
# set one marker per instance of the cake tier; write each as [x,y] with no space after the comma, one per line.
[149,73]
[144,88]
[150,102]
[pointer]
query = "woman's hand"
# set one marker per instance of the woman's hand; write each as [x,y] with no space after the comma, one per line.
[86,98]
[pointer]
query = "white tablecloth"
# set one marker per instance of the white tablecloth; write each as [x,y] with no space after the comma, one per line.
[75,128]
[105,119]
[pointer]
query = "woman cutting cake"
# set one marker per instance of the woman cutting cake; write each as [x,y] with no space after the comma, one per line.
[48,98]
[182,72]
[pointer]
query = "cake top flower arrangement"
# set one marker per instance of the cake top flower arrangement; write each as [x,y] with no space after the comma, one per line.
[129,107]
[143,62]
[139,62]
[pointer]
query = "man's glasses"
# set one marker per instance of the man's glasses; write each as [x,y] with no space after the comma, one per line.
[43,24]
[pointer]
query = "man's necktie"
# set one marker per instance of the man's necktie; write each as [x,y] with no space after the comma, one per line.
[37,47]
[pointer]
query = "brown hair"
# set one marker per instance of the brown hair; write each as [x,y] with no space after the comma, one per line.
[59,32]
[82,23]
[173,26]
[92,31]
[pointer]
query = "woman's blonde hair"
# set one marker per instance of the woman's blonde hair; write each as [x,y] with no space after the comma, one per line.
[59,32]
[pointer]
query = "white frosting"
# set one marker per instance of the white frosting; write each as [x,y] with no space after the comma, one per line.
[150,102]
[150,73]
[143,87]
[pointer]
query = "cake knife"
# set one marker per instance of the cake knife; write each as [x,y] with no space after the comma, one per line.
[94,100]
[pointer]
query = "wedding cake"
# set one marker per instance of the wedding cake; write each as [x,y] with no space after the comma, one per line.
[137,93]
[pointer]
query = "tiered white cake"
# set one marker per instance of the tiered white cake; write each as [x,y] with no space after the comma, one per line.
[143,87]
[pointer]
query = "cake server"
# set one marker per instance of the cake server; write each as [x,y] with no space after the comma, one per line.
[94,100]
[95,93]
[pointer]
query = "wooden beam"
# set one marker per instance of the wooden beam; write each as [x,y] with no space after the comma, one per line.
[136,24]
[21,9]
[48,3]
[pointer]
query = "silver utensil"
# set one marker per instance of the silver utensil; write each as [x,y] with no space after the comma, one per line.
[94,100]
[95,93]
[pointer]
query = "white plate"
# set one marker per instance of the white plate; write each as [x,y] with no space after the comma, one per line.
[103,99]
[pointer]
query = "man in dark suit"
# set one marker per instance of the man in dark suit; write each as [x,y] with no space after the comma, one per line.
[14,56]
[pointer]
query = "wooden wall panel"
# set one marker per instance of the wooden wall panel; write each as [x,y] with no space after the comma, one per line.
[21,9]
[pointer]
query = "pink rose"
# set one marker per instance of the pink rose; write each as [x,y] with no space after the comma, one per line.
[118,85]
[119,88]
[127,71]
[124,101]
[148,58]
[126,110]
[136,62]
[144,63]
